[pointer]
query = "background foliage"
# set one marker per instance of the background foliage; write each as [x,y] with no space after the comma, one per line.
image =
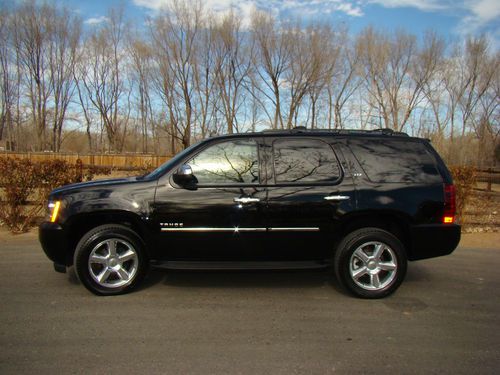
[26,186]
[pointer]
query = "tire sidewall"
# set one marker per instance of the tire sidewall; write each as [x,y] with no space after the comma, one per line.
[351,243]
[87,244]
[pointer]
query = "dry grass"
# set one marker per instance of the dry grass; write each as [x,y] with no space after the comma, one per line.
[482,212]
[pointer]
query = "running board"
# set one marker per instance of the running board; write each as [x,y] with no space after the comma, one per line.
[216,265]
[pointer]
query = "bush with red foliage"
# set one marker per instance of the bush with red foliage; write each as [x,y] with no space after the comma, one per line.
[26,185]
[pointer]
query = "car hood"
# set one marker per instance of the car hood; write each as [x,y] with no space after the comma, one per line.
[93,184]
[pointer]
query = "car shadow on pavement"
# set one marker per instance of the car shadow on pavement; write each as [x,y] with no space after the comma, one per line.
[252,278]
[417,272]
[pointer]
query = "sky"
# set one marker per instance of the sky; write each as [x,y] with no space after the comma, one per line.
[453,19]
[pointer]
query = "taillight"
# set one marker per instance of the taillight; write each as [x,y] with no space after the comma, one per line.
[449,204]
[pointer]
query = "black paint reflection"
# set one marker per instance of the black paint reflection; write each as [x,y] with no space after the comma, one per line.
[304,161]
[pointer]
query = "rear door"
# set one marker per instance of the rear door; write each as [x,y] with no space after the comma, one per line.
[308,192]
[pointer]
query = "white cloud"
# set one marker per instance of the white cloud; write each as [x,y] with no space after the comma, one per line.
[426,5]
[350,10]
[484,10]
[151,4]
[307,7]
[481,11]
[96,20]
[476,15]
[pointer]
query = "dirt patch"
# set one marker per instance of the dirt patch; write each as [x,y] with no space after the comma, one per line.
[482,212]
[480,240]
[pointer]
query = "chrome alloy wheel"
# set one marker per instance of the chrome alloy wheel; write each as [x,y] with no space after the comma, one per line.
[113,263]
[373,265]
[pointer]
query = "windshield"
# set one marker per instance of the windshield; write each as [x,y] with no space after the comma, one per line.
[164,168]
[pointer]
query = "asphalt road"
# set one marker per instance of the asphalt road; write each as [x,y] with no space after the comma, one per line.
[445,318]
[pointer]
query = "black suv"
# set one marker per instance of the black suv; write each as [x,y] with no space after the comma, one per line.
[363,202]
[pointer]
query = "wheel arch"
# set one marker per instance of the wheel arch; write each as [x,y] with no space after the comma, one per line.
[395,223]
[81,224]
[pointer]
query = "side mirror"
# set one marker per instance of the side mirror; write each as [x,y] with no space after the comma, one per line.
[184,176]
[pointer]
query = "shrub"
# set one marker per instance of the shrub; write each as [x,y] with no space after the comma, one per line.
[26,186]
[17,178]
[464,178]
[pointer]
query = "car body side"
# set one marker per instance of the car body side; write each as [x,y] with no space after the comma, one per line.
[410,211]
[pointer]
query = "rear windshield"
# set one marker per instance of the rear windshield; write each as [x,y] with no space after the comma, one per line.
[391,160]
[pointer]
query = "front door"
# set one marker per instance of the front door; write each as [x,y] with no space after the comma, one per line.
[220,218]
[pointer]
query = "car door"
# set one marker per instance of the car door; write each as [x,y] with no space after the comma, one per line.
[308,193]
[220,216]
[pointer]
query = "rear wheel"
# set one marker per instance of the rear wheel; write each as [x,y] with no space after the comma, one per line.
[370,263]
[110,260]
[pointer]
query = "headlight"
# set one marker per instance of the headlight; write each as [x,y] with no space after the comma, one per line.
[54,208]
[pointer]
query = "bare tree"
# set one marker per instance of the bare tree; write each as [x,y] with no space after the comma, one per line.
[33,26]
[205,67]
[312,59]
[84,101]
[104,78]
[485,118]
[434,88]
[395,72]
[174,32]
[141,56]
[480,70]
[344,80]
[271,60]
[63,51]
[193,74]
[8,78]
[234,62]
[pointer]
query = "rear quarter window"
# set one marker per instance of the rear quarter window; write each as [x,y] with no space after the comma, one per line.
[393,161]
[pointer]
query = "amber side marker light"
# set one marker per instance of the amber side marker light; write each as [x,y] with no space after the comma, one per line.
[449,204]
[55,210]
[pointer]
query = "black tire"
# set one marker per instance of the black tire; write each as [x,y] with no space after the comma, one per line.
[120,269]
[366,272]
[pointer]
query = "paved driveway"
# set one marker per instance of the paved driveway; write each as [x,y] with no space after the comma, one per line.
[444,318]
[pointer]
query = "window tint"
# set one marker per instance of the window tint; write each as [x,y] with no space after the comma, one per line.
[304,161]
[395,161]
[232,162]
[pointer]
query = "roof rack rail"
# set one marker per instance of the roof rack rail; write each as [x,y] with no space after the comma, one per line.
[303,129]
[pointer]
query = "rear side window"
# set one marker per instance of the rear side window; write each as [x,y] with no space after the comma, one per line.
[304,161]
[395,161]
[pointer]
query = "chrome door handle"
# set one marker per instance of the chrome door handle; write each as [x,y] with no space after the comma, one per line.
[337,197]
[245,200]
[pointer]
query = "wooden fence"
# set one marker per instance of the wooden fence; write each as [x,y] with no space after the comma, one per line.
[115,161]
[489,175]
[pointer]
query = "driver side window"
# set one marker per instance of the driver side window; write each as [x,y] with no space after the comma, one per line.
[227,163]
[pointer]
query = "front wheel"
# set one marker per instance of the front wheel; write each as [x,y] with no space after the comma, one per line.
[110,260]
[370,263]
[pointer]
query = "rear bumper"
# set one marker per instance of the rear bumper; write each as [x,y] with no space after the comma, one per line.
[54,243]
[433,240]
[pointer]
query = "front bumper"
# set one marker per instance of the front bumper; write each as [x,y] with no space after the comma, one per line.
[54,243]
[433,240]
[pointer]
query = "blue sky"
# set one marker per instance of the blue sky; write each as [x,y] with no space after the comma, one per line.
[452,19]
